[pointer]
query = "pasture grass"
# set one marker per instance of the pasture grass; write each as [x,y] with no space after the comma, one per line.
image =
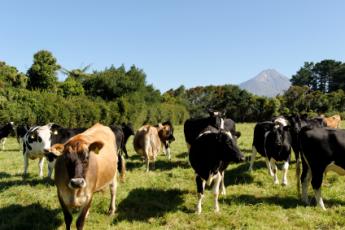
[165,198]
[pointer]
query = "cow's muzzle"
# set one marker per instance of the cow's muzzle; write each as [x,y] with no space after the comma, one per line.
[76,183]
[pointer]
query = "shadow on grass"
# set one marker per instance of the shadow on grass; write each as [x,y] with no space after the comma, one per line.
[4,175]
[183,155]
[238,175]
[29,217]
[160,165]
[10,150]
[32,182]
[144,203]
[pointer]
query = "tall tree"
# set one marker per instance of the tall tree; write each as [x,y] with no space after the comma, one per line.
[43,72]
[11,77]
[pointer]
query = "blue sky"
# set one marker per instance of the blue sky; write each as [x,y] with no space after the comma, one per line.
[180,42]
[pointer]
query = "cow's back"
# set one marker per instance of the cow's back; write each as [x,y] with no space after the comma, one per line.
[146,138]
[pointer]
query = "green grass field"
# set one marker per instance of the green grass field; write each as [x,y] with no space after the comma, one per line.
[166,197]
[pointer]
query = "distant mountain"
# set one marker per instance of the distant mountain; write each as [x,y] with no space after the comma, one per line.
[268,83]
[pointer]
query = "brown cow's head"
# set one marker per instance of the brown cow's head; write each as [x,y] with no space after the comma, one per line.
[75,155]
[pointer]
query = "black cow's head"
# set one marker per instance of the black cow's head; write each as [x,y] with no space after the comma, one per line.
[229,147]
[216,119]
[75,155]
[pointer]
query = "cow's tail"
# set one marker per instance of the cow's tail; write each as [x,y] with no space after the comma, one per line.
[121,167]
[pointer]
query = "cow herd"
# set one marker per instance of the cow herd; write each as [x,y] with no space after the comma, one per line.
[88,160]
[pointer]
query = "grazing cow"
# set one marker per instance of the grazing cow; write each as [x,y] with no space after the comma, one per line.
[86,163]
[4,132]
[149,139]
[322,150]
[210,154]
[333,121]
[273,141]
[122,134]
[194,126]
[39,139]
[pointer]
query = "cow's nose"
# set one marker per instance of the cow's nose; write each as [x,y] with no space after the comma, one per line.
[77,183]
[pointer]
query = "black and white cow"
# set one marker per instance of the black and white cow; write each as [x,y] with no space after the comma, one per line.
[122,134]
[4,132]
[210,154]
[194,126]
[273,141]
[39,139]
[322,150]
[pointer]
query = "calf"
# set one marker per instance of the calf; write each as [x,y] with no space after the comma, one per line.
[39,139]
[273,141]
[149,139]
[194,126]
[322,150]
[4,132]
[86,163]
[209,156]
[333,121]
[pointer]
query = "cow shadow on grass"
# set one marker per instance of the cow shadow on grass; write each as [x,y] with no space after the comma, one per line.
[4,175]
[161,164]
[33,216]
[142,204]
[183,155]
[238,174]
[31,182]
[285,202]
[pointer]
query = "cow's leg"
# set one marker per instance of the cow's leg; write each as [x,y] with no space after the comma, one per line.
[113,187]
[222,188]
[216,184]
[269,166]
[51,165]
[316,182]
[200,185]
[285,172]
[168,153]
[125,151]
[252,158]
[26,164]
[83,214]
[274,169]
[305,179]
[67,215]
[2,141]
[40,166]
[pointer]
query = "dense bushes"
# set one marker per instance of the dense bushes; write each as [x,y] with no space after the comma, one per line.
[33,107]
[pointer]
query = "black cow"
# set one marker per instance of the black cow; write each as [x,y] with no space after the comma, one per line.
[229,125]
[122,134]
[273,141]
[194,126]
[322,150]
[210,154]
[4,132]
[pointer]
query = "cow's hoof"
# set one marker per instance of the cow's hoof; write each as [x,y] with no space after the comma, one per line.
[111,211]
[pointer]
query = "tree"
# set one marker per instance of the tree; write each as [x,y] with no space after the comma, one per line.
[10,77]
[304,76]
[79,75]
[43,72]
[71,87]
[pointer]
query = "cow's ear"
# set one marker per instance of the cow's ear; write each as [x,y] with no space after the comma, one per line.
[96,146]
[57,149]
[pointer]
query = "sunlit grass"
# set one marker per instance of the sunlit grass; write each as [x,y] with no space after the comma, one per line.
[165,198]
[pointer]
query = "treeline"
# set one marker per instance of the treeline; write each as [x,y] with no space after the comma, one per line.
[116,95]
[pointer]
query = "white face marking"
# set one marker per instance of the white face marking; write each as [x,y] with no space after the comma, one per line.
[221,123]
[281,121]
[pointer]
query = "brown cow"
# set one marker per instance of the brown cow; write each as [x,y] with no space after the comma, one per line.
[86,164]
[333,121]
[148,140]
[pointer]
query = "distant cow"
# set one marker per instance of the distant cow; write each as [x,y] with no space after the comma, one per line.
[210,154]
[39,139]
[122,134]
[149,139]
[4,132]
[322,150]
[273,141]
[87,163]
[333,121]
